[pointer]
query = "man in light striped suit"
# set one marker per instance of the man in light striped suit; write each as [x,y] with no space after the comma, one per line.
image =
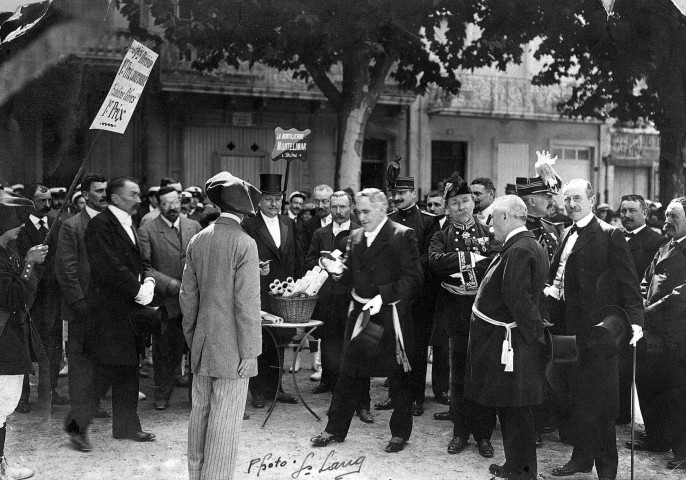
[223,331]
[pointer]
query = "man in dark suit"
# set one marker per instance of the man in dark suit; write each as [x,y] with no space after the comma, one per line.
[661,365]
[458,256]
[280,258]
[384,271]
[643,243]
[119,282]
[425,225]
[45,312]
[322,217]
[73,274]
[591,269]
[163,246]
[334,297]
[506,306]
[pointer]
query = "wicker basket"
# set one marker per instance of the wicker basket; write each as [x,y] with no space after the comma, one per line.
[293,309]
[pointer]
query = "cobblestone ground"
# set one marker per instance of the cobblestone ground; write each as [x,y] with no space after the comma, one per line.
[282,449]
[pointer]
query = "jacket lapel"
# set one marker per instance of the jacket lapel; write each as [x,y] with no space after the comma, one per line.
[85,218]
[587,234]
[169,234]
[284,234]
[263,233]
[119,228]
[680,249]
[379,244]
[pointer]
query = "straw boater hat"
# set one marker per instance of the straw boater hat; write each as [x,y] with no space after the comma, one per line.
[232,194]
[14,211]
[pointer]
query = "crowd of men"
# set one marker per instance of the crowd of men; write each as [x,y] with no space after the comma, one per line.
[494,287]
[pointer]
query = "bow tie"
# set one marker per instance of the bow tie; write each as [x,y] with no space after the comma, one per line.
[577,229]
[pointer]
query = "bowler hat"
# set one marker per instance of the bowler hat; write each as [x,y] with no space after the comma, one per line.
[232,194]
[270,183]
[14,211]
[613,330]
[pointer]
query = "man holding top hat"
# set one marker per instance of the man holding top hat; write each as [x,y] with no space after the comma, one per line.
[223,330]
[280,258]
[505,338]
[458,256]
[592,269]
[424,224]
[384,271]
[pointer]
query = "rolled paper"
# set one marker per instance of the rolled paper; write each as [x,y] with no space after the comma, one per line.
[274,289]
[290,280]
[288,292]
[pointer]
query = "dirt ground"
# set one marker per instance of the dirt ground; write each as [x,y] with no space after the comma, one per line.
[282,449]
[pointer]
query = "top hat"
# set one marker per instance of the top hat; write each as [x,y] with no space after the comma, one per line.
[270,183]
[613,331]
[14,211]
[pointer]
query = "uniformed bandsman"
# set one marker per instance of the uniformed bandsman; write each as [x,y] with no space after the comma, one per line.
[459,256]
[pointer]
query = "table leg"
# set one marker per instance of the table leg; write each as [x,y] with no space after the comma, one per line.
[295,382]
[278,387]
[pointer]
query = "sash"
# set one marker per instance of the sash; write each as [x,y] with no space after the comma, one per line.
[507,354]
[400,354]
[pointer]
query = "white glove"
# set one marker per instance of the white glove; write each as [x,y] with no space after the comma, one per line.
[638,334]
[374,305]
[145,294]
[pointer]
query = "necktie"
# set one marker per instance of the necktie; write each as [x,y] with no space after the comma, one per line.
[177,232]
[672,245]
[575,228]
[42,230]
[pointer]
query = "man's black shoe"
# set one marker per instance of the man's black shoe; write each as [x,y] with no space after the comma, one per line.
[284,397]
[443,398]
[417,409]
[498,470]
[442,416]
[485,448]
[365,416]
[570,468]
[457,444]
[321,388]
[136,436]
[396,444]
[323,439]
[385,405]
[80,442]
[644,445]
[161,405]
[677,463]
[257,401]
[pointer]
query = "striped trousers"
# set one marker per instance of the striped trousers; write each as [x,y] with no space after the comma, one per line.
[215,426]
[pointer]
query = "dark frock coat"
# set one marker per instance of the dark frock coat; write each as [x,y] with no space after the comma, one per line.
[286,259]
[116,266]
[453,312]
[510,292]
[390,268]
[16,296]
[643,247]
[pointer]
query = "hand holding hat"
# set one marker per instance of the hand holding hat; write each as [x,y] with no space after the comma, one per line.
[637,334]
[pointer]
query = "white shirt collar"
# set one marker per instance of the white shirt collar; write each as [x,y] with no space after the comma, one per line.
[34,219]
[123,217]
[270,220]
[585,221]
[636,230]
[91,211]
[680,240]
[325,221]
[372,235]
[230,215]
[341,227]
[515,232]
[292,215]
[169,224]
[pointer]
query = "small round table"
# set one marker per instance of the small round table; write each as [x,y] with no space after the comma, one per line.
[312,326]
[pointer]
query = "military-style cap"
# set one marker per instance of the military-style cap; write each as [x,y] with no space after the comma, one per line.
[403,183]
[530,186]
[57,190]
[455,185]
[194,190]
[296,194]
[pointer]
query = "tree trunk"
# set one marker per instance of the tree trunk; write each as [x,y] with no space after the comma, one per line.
[672,143]
[352,122]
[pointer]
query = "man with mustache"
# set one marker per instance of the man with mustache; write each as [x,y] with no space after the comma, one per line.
[73,274]
[643,243]
[661,365]
[592,269]
[45,312]
[484,195]
[321,197]
[424,224]
[163,245]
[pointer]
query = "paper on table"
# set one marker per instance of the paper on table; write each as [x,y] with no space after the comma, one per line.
[269,318]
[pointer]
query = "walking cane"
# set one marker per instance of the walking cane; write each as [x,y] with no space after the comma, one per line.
[633,407]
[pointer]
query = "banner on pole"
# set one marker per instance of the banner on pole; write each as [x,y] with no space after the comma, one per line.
[681,5]
[290,144]
[117,109]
